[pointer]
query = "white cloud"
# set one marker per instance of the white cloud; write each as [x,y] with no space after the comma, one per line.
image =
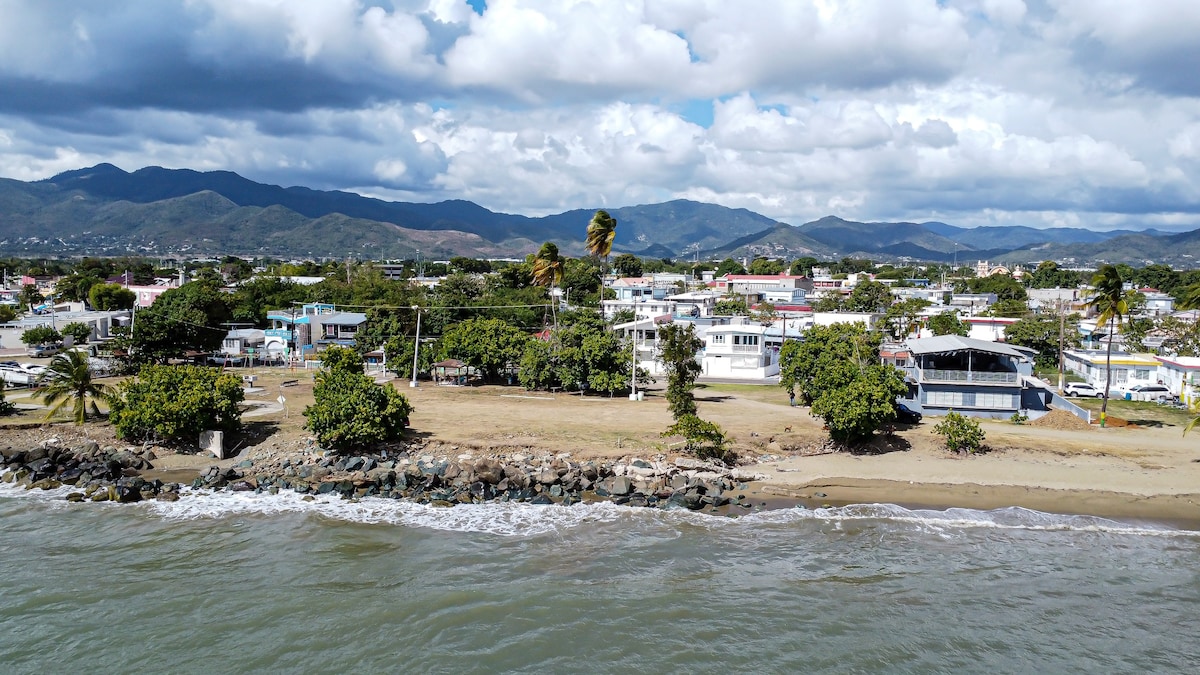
[970,111]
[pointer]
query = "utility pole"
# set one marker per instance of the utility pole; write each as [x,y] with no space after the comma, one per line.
[1062,322]
[416,346]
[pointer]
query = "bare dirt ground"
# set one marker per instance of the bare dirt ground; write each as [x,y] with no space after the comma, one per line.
[1141,469]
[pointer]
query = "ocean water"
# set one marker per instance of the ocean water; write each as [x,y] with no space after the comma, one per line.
[253,583]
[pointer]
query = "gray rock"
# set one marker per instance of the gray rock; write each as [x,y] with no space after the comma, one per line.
[621,485]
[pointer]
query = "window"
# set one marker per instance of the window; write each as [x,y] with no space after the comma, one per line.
[1141,374]
[745,340]
[718,339]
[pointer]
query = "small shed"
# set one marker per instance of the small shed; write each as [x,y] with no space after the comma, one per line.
[450,371]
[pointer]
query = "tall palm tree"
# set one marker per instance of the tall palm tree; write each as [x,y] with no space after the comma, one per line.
[1111,306]
[548,271]
[68,379]
[547,266]
[601,231]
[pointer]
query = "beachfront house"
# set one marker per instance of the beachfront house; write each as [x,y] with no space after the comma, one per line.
[977,378]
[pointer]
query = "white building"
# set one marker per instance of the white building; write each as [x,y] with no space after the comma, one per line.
[743,352]
[1128,370]
[1181,374]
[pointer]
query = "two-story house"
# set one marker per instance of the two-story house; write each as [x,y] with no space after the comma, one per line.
[977,378]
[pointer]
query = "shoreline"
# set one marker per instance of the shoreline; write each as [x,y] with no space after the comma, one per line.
[1181,511]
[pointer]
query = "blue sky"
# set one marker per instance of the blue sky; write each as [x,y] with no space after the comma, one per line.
[1082,113]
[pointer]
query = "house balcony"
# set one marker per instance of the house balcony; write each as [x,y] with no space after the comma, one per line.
[972,376]
[745,349]
[279,333]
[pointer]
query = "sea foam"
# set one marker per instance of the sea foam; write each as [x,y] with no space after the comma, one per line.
[523,520]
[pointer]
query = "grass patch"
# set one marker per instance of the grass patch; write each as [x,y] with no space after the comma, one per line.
[765,393]
[1141,413]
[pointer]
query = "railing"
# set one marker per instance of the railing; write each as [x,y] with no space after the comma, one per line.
[278,332]
[932,375]
[748,349]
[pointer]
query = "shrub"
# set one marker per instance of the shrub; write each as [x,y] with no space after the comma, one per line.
[962,434]
[701,438]
[176,402]
[41,335]
[6,406]
[350,410]
[342,358]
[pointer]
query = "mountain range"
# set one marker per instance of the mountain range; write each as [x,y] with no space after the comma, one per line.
[104,210]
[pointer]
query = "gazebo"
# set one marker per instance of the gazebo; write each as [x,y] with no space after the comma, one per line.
[451,370]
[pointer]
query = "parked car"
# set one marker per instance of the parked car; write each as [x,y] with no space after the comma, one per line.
[42,351]
[906,415]
[1081,389]
[1151,392]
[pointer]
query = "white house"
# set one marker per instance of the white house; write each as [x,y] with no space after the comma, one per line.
[868,319]
[743,351]
[1128,370]
[1181,374]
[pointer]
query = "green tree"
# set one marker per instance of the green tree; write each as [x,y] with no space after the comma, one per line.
[470,265]
[729,266]
[7,313]
[30,296]
[1013,309]
[678,346]
[869,296]
[176,403]
[948,323]
[342,358]
[110,297]
[732,306]
[853,411]
[350,411]
[901,317]
[183,319]
[808,366]
[41,335]
[1041,333]
[766,266]
[79,332]
[1049,275]
[488,345]
[628,265]
[68,380]
[74,287]
[1110,306]
[802,267]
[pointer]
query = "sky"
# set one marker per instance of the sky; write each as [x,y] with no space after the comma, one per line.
[1076,113]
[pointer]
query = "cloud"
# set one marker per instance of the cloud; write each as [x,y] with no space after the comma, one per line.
[967,111]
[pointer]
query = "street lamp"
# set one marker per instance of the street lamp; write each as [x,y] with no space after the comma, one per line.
[416,346]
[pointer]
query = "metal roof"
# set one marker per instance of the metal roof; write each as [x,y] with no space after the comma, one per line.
[953,343]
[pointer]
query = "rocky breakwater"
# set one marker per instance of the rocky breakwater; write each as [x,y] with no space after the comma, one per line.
[549,479]
[97,474]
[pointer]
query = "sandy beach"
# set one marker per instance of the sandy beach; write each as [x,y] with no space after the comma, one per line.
[1132,473]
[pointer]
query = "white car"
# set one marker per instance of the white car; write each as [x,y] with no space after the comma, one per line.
[1081,389]
[1151,392]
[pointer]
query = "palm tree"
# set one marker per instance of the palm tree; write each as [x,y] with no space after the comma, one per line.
[1111,306]
[68,379]
[548,271]
[601,231]
[547,266]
